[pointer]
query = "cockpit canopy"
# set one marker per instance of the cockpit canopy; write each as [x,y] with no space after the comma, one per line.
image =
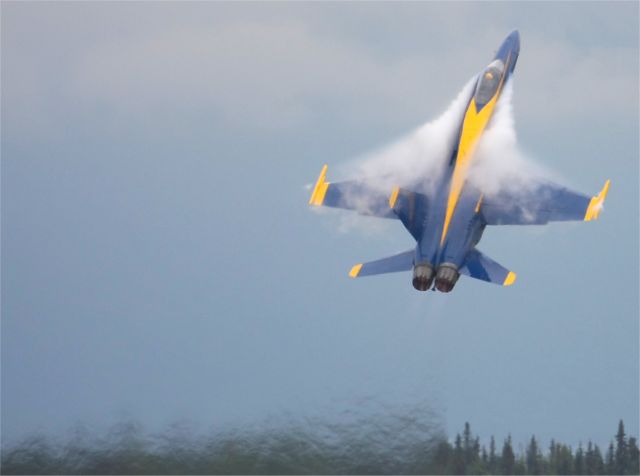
[489,82]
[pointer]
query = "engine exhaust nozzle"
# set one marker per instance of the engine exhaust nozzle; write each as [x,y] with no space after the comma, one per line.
[423,276]
[446,277]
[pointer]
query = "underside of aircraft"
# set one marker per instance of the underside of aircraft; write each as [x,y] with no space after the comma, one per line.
[447,219]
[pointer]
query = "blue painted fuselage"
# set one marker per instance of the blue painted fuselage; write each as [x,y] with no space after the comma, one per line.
[451,225]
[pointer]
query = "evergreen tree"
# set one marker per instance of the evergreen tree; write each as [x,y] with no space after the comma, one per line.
[508,458]
[442,458]
[459,464]
[598,462]
[634,457]
[521,466]
[564,459]
[470,446]
[476,449]
[589,466]
[466,438]
[610,465]
[493,458]
[553,457]
[621,450]
[533,457]
[479,459]
[579,465]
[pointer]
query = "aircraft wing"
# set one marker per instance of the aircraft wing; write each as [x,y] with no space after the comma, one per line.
[411,208]
[351,195]
[542,204]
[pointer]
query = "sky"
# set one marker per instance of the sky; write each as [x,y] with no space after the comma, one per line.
[160,261]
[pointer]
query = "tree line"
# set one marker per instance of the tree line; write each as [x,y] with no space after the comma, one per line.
[411,443]
[466,456]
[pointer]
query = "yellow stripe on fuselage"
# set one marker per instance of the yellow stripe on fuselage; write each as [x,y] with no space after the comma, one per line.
[473,126]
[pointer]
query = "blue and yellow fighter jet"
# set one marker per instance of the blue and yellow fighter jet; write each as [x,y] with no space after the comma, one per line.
[447,222]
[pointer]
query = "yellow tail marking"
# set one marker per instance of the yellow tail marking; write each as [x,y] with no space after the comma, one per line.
[596,203]
[355,270]
[510,279]
[394,197]
[320,189]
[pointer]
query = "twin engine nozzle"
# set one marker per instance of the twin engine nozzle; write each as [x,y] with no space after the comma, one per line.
[423,276]
[445,277]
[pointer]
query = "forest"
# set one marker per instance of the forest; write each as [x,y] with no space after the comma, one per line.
[467,456]
[387,445]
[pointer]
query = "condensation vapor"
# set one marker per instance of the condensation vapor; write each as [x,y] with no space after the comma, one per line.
[418,159]
[415,161]
[499,163]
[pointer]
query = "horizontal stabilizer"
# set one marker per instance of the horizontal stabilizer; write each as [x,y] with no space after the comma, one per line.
[392,264]
[482,267]
[351,195]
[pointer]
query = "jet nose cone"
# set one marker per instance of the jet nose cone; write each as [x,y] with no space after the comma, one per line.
[514,38]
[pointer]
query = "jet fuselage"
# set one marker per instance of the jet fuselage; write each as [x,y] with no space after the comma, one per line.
[452,225]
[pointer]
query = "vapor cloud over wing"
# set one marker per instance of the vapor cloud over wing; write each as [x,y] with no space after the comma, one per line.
[417,160]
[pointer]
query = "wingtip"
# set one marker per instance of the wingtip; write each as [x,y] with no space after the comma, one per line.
[596,203]
[510,279]
[320,189]
[355,271]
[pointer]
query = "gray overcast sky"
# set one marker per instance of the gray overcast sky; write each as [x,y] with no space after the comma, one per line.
[159,259]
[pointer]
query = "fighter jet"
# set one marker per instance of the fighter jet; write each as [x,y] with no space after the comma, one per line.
[448,220]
